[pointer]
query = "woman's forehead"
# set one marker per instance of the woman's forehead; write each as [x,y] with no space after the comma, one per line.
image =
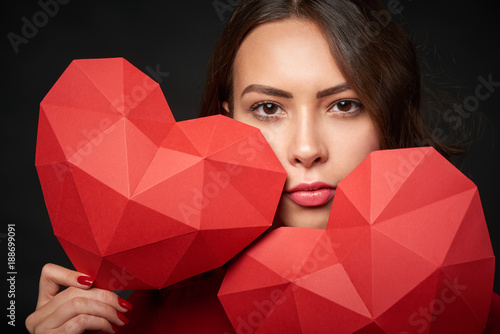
[287,51]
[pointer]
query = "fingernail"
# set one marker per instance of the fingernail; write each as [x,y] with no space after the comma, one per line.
[125,304]
[114,328]
[122,317]
[85,280]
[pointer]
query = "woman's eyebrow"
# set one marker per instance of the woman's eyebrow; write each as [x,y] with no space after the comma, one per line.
[267,90]
[281,93]
[333,90]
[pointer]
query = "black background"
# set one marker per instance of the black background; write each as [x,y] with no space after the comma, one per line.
[460,42]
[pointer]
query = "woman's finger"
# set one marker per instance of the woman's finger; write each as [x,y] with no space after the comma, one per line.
[85,322]
[98,295]
[68,304]
[54,276]
[83,306]
[77,308]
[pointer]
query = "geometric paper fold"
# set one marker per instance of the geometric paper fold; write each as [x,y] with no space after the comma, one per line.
[406,250]
[138,200]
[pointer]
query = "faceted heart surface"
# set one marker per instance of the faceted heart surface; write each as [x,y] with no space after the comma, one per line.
[138,200]
[406,250]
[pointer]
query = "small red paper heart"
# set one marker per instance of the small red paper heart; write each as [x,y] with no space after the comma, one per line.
[406,250]
[138,200]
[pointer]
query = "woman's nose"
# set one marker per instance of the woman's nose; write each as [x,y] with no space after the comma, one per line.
[308,145]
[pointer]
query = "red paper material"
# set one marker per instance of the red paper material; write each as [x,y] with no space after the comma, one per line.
[406,250]
[138,200]
[188,307]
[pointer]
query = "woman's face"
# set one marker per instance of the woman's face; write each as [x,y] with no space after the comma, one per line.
[287,84]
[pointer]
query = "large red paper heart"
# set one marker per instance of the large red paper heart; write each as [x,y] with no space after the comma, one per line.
[406,250]
[138,200]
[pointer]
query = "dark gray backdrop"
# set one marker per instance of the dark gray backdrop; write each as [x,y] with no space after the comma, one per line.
[461,43]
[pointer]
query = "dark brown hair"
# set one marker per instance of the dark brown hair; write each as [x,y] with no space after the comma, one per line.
[374,54]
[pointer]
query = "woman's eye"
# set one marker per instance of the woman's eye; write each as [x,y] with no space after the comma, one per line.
[269,108]
[347,108]
[266,110]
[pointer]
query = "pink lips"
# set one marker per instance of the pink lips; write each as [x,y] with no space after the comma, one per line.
[313,194]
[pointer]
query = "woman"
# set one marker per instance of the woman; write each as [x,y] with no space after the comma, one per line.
[327,82]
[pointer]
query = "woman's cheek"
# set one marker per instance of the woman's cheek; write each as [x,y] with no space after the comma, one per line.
[276,137]
[360,143]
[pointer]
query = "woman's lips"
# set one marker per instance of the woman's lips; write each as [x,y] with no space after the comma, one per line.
[313,194]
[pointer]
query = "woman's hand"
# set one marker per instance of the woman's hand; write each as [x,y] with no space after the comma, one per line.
[76,309]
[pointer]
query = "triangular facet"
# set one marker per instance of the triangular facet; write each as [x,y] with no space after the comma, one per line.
[136,219]
[165,254]
[473,281]
[150,113]
[389,172]
[115,277]
[396,271]
[200,132]
[48,148]
[84,261]
[240,306]
[177,140]
[293,247]
[178,195]
[355,188]
[429,230]
[278,313]
[472,231]
[75,90]
[98,71]
[77,145]
[52,178]
[346,224]
[449,312]
[411,312]
[140,152]
[101,158]
[257,274]
[227,242]
[331,284]
[196,259]
[71,210]
[248,183]
[433,179]
[103,205]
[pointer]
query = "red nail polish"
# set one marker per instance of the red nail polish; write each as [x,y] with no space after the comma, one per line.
[114,328]
[122,317]
[125,304]
[85,280]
